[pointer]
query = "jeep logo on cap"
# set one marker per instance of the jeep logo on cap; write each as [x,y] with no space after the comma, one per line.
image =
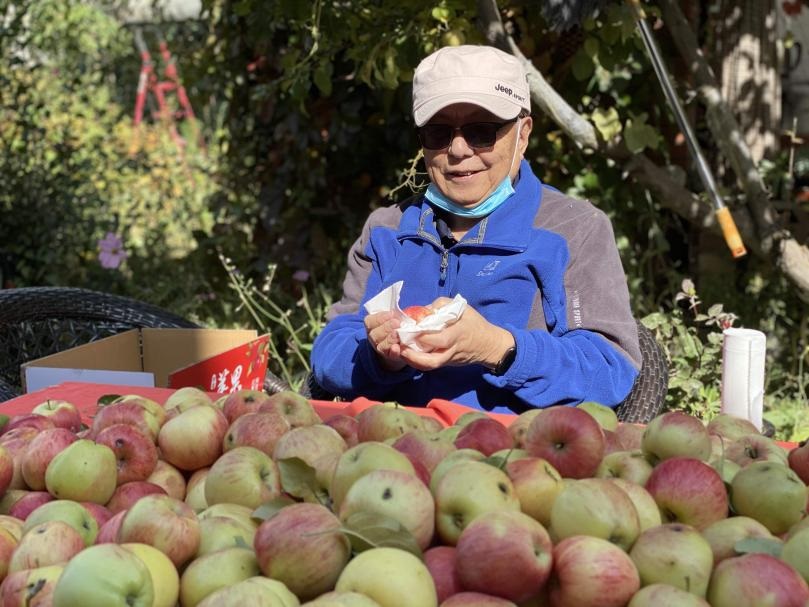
[504,89]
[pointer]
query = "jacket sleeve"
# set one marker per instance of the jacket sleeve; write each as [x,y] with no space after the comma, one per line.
[590,349]
[343,362]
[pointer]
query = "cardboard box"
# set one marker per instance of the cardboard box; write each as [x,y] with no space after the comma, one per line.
[215,360]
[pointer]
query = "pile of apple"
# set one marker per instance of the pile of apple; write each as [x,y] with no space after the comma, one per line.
[255,500]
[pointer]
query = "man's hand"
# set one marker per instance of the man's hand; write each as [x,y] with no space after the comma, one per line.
[381,329]
[470,340]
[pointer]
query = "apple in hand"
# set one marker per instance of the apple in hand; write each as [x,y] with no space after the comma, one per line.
[418,313]
[104,575]
[64,414]
[135,452]
[504,553]
[756,579]
[83,471]
[303,547]
[569,438]
[675,434]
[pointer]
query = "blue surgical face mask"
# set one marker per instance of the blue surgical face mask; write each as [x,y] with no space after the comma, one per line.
[485,207]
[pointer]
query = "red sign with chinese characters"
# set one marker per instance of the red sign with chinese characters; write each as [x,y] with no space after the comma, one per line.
[241,368]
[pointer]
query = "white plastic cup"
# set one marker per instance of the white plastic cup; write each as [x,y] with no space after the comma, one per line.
[744,353]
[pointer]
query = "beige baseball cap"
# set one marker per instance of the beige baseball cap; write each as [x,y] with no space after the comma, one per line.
[481,75]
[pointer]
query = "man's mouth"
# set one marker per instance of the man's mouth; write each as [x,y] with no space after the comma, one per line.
[458,174]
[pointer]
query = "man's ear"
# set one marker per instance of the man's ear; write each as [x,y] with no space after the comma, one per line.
[526,124]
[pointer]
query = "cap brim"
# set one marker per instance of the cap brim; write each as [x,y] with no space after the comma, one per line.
[498,106]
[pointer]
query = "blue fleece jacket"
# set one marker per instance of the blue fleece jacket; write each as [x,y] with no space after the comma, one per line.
[543,265]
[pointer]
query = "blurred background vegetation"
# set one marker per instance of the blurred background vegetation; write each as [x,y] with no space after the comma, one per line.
[303,126]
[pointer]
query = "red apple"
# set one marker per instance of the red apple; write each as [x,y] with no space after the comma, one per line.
[798,460]
[423,447]
[126,412]
[675,434]
[486,434]
[591,572]
[30,587]
[135,452]
[504,553]
[193,439]
[100,513]
[259,430]
[295,407]
[756,579]
[630,435]
[29,420]
[418,313]
[28,503]
[240,402]
[41,450]
[569,438]
[49,543]
[108,533]
[346,426]
[63,414]
[475,599]
[441,561]
[689,491]
[128,493]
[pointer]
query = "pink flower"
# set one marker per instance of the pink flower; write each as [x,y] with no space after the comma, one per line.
[111,251]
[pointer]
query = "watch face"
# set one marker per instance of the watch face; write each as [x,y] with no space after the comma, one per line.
[506,361]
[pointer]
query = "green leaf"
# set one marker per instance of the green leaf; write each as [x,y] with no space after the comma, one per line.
[638,135]
[322,78]
[373,530]
[582,66]
[607,122]
[591,46]
[298,478]
[107,399]
[269,509]
[765,545]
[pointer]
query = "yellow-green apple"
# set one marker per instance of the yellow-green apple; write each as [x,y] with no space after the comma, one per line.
[629,465]
[469,490]
[486,434]
[645,505]
[537,485]
[170,478]
[12,524]
[756,579]
[9,498]
[295,407]
[629,435]
[104,575]
[100,513]
[441,563]
[795,551]
[240,402]
[771,493]
[504,456]
[504,553]
[195,490]
[468,417]
[50,543]
[193,439]
[675,434]
[28,503]
[84,471]
[28,420]
[256,590]
[108,533]
[8,545]
[41,450]
[383,421]
[64,414]
[755,448]
[318,445]
[30,587]
[731,427]
[725,534]
[135,452]
[798,460]
[569,438]
[303,547]
[431,424]
[591,572]
[185,398]
[689,491]
[243,475]
[126,412]
[604,415]
[674,554]
[337,599]
[127,494]
[165,579]
[259,430]
[168,524]
[207,574]
[519,426]
[451,432]
[361,459]
[452,458]
[429,448]
[152,406]
[346,425]
[726,469]
[468,598]
[595,507]
[235,511]
[665,595]
[390,576]
[6,469]
[397,495]
[217,532]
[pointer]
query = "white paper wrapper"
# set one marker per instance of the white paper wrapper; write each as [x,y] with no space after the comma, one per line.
[388,301]
[743,356]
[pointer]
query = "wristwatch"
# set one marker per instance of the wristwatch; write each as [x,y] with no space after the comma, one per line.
[505,362]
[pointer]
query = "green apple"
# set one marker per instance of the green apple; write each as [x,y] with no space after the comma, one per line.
[731,427]
[645,505]
[469,417]
[629,465]
[152,406]
[384,421]
[390,576]
[755,448]
[68,511]
[185,398]
[469,490]
[674,554]
[361,459]
[342,599]
[459,455]
[165,579]
[195,490]
[245,476]
[518,427]
[215,570]
[84,471]
[771,493]
[604,415]
[193,438]
[537,484]
[665,595]
[723,535]
[242,514]
[295,407]
[796,552]
[674,434]
[104,575]
[257,590]
[217,532]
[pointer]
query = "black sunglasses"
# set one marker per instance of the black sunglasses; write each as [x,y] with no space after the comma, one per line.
[476,134]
